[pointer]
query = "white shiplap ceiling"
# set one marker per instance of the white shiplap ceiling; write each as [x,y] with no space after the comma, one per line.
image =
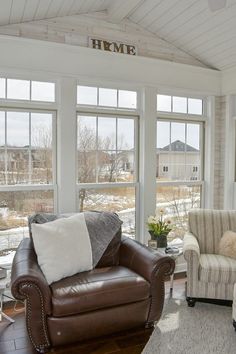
[17,11]
[188,24]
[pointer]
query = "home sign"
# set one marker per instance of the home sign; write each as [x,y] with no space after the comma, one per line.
[116,47]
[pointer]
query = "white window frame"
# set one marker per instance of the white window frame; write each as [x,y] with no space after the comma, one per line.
[32,186]
[189,115]
[106,108]
[188,118]
[91,110]
[30,101]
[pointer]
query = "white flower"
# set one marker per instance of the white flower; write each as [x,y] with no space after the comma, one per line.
[151,220]
[161,211]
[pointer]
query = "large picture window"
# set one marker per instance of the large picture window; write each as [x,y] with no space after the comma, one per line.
[179,171]
[107,156]
[107,166]
[27,171]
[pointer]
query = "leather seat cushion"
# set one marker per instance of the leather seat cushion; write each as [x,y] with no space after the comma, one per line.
[97,289]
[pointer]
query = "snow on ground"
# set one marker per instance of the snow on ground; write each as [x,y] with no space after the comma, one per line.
[10,239]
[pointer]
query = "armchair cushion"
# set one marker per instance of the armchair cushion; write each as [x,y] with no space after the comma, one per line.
[105,249]
[97,289]
[63,247]
[217,269]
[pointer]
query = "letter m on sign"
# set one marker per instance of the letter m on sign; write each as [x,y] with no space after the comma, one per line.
[118,48]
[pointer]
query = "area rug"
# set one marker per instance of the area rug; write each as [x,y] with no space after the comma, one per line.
[203,329]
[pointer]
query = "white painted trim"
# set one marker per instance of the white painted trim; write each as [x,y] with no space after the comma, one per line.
[96,82]
[228,84]
[66,146]
[209,154]
[147,160]
[106,185]
[181,117]
[21,104]
[180,183]
[35,57]
[229,167]
[82,109]
[27,187]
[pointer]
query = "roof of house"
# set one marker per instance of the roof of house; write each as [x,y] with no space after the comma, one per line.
[178,145]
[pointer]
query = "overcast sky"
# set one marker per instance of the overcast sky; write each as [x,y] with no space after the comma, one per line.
[107,129]
[169,132]
[18,130]
[18,127]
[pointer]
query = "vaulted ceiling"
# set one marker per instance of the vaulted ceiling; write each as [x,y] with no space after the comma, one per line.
[189,25]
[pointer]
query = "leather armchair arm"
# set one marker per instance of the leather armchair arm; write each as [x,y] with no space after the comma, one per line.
[27,273]
[28,283]
[143,260]
[153,267]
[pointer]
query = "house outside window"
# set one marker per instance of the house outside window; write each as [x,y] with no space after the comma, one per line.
[165,169]
[180,138]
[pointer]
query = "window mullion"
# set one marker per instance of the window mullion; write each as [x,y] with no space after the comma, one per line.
[5,154]
[185,149]
[30,150]
[97,151]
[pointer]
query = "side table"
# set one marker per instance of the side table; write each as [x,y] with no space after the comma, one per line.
[4,284]
[174,256]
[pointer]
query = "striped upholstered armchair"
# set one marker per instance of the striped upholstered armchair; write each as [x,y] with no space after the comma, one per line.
[209,275]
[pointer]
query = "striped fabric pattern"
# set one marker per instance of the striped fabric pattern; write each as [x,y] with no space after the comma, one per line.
[234,304]
[217,269]
[208,226]
[209,275]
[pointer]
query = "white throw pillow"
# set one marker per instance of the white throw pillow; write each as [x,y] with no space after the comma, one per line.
[63,247]
[227,246]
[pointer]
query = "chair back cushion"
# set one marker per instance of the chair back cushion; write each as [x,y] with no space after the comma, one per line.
[208,226]
[109,222]
[218,269]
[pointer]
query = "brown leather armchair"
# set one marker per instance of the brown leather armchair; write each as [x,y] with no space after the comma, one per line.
[105,300]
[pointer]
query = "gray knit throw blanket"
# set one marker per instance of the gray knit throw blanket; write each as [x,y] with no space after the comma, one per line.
[102,228]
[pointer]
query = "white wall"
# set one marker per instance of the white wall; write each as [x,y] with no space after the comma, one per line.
[75,30]
[32,57]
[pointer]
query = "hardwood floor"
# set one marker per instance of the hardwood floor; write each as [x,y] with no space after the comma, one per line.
[14,338]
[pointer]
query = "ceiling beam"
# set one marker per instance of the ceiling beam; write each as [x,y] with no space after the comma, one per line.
[120,9]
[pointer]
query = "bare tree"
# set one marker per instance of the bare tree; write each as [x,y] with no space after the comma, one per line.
[114,161]
[86,159]
[42,154]
[179,202]
[98,159]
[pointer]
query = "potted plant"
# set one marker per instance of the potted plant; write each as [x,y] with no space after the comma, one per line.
[159,228]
